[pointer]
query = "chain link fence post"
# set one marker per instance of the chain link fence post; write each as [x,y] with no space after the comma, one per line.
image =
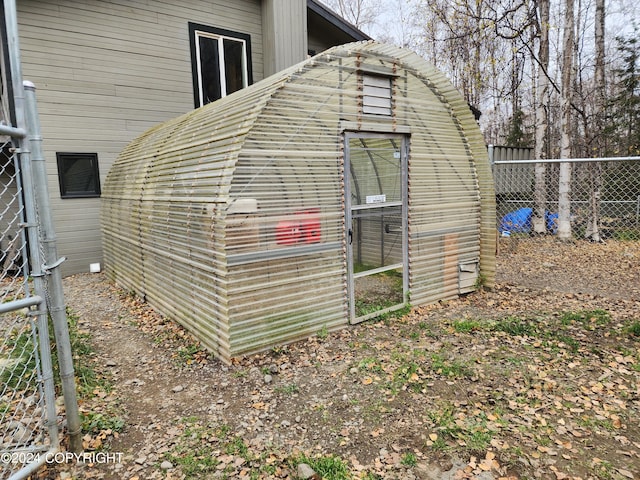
[51,268]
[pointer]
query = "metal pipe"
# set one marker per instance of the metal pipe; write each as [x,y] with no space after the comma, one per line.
[12,131]
[34,466]
[568,160]
[31,217]
[55,299]
[22,303]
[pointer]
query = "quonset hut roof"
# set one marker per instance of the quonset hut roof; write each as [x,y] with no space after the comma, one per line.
[191,208]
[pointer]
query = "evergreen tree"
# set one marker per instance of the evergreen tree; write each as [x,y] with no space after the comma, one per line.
[625,108]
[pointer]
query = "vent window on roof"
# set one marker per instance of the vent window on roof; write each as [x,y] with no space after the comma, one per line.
[376,95]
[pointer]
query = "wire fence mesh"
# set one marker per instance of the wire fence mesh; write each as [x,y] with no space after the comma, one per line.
[24,434]
[611,187]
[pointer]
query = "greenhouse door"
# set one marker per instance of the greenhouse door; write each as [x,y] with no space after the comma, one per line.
[376,219]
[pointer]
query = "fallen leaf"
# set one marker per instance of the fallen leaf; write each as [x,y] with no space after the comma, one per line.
[616,422]
[626,473]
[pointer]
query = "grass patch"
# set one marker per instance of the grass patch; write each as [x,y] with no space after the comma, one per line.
[19,350]
[399,313]
[589,319]
[634,329]
[187,354]
[467,326]
[237,447]
[98,422]
[570,342]
[448,367]
[444,422]
[327,467]
[627,234]
[366,307]
[370,364]
[289,389]
[596,423]
[464,433]
[323,333]
[479,440]
[18,353]
[407,375]
[194,462]
[192,451]
[515,326]
[409,460]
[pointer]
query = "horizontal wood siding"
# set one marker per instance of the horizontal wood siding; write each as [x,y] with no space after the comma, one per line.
[106,71]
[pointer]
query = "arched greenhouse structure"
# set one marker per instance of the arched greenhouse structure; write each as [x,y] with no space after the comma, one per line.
[352,184]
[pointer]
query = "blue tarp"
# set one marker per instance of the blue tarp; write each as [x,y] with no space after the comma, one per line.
[552,222]
[519,221]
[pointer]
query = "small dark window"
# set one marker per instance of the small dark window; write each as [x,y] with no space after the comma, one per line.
[78,175]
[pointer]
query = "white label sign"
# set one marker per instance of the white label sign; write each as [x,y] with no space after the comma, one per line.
[376,198]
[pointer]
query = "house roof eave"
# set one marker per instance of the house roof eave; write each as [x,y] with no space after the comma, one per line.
[336,20]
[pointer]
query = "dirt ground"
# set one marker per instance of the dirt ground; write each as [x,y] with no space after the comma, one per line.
[536,378]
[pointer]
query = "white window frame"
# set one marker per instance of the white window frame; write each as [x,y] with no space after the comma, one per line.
[219,35]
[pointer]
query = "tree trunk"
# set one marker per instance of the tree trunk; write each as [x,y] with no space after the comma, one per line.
[595,171]
[542,121]
[592,231]
[564,196]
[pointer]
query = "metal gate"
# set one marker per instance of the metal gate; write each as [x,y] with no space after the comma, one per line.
[30,283]
[28,424]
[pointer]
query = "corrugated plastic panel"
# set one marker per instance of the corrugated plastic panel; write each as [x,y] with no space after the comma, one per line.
[290,281]
[231,219]
[445,202]
[164,215]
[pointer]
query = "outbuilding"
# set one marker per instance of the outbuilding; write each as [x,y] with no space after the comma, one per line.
[350,185]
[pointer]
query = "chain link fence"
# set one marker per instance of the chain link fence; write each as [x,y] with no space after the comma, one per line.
[608,188]
[28,426]
[31,291]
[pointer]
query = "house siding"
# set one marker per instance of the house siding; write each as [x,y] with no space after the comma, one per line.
[285,33]
[106,71]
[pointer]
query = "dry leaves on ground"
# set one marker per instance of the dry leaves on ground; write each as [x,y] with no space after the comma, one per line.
[536,378]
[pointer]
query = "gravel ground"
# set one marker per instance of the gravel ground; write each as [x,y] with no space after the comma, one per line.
[440,393]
